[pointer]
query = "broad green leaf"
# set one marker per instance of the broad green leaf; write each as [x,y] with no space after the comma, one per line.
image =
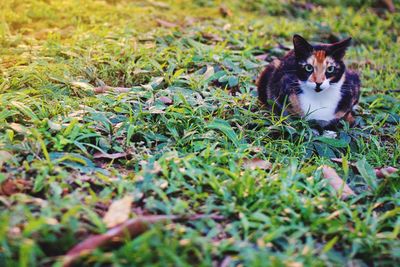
[323,150]
[368,173]
[339,143]
[225,128]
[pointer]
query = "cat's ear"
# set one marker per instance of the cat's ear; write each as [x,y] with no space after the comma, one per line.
[302,48]
[337,50]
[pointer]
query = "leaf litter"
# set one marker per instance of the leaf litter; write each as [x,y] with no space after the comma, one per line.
[336,182]
[130,228]
[118,212]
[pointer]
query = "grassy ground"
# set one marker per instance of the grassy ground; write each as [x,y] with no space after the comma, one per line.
[187,156]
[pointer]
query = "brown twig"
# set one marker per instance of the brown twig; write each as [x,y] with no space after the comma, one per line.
[132,228]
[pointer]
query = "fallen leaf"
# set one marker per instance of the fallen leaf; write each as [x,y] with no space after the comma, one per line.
[385,171]
[79,114]
[262,57]
[209,72]
[132,228]
[14,186]
[337,160]
[161,183]
[54,126]
[5,156]
[159,4]
[118,212]
[156,110]
[227,27]
[82,85]
[166,100]
[294,264]
[212,37]
[101,155]
[256,163]
[15,232]
[227,261]
[166,24]
[152,168]
[189,21]
[381,172]
[225,11]
[306,6]
[106,88]
[18,128]
[389,5]
[336,182]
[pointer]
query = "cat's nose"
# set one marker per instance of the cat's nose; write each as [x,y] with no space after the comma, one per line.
[318,87]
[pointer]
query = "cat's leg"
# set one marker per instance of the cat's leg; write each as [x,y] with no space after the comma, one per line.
[349,118]
[335,124]
[262,84]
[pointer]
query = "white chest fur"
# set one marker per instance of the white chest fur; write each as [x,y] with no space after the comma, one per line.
[322,105]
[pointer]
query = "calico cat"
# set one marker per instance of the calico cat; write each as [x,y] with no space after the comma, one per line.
[312,81]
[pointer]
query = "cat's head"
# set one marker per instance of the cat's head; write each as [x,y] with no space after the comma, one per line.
[319,66]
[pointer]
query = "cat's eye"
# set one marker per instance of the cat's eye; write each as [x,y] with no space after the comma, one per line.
[330,69]
[309,68]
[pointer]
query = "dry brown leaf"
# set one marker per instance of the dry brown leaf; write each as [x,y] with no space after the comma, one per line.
[79,114]
[82,85]
[190,21]
[380,172]
[336,182]
[106,88]
[256,163]
[209,72]
[294,264]
[159,4]
[262,57]
[385,171]
[212,37]
[389,5]
[166,100]
[118,212]
[227,261]
[100,155]
[156,168]
[340,161]
[132,228]
[4,156]
[225,11]
[14,186]
[227,27]
[166,24]
[18,128]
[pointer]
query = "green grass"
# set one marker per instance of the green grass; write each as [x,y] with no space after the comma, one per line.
[187,157]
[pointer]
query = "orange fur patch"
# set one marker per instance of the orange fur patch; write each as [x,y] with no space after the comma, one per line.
[276,63]
[349,118]
[320,55]
[340,114]
[319,66]
[295,107]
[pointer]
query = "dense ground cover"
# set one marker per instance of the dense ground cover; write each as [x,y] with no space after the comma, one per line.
[177,140]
